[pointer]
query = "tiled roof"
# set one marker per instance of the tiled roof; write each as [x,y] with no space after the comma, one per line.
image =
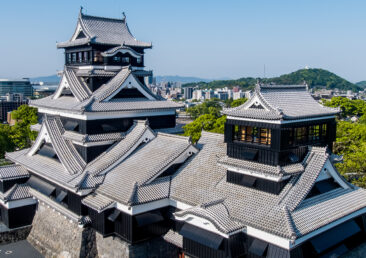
[97,202]
[64,149]
[106,31]
[12,171]
[17,192]
[264,169]
[96,103]
[125,181]
[320,210]
[285,102]
[217,213]
[111,86]
[158,189]
[174,238]
[78,88]
[74,136]
[117,151]
[43,166]
[202,181]
[95,72]
[116,49]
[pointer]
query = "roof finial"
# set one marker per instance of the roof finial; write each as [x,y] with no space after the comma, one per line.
[124,15]
[81,9]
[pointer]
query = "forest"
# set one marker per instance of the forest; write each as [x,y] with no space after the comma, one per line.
[315,78]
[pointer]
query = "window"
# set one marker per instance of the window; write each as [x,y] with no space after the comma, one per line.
[125,59]
[74,57]
[324,130]
[139,60]
[98,57]
[314,133]
[117,59]
[68,57]
[86,56]
[301,134]
[265,136]
[80,55]
[253,134]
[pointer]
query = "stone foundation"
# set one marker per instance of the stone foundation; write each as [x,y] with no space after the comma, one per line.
[55,236]
[13,235]
[110,247]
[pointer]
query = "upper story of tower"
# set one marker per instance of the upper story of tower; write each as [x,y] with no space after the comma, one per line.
[277,125]
[103,41]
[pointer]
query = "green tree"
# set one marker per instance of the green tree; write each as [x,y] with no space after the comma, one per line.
[21,134]
[238,102]
[6,143]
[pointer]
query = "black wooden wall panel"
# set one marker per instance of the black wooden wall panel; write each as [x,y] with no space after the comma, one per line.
[195,249]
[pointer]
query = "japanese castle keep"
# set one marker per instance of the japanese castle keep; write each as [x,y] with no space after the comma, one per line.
[102,178]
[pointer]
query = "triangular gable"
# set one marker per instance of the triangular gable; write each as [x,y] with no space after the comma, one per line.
[327,180]
[81,35]
[64,84]
[131,82]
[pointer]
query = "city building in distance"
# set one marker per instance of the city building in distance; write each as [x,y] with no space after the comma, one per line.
[267,187]
[20,86]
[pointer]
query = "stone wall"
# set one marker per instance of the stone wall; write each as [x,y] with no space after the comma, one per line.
[55,236]
[14,235]
[114,247]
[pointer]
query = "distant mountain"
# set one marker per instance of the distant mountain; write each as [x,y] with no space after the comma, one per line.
[313,77]
[361,84]
[52,79]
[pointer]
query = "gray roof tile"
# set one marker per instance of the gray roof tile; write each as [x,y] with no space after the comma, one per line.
[97,202]
[106,31]
[12,172]
[285,102]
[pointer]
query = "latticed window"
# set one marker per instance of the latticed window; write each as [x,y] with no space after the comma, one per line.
[324,130]
[314,133]
[301,134]
[125,59]
[254,135]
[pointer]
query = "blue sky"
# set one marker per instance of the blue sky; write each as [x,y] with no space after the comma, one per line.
[209,39]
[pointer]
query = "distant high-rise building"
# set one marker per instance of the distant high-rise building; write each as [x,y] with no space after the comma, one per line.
[22,86]
[10,103]
[209,94]
[188,91]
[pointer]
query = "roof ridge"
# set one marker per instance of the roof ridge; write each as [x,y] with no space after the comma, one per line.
[289,223]
[179,137]
[102,18]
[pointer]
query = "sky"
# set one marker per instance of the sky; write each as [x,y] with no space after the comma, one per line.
[208,39]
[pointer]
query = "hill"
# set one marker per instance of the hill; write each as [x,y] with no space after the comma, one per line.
[315,78]
[361,84]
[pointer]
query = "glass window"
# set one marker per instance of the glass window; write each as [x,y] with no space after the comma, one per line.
[68,56]
[86,56]
[125,59]
[324,130]
[139,60]
[80,55]
[98,57]
[74,57]
[301,134]
[254,135]
[117,59]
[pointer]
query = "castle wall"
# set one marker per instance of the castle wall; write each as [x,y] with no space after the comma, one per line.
[53,235]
